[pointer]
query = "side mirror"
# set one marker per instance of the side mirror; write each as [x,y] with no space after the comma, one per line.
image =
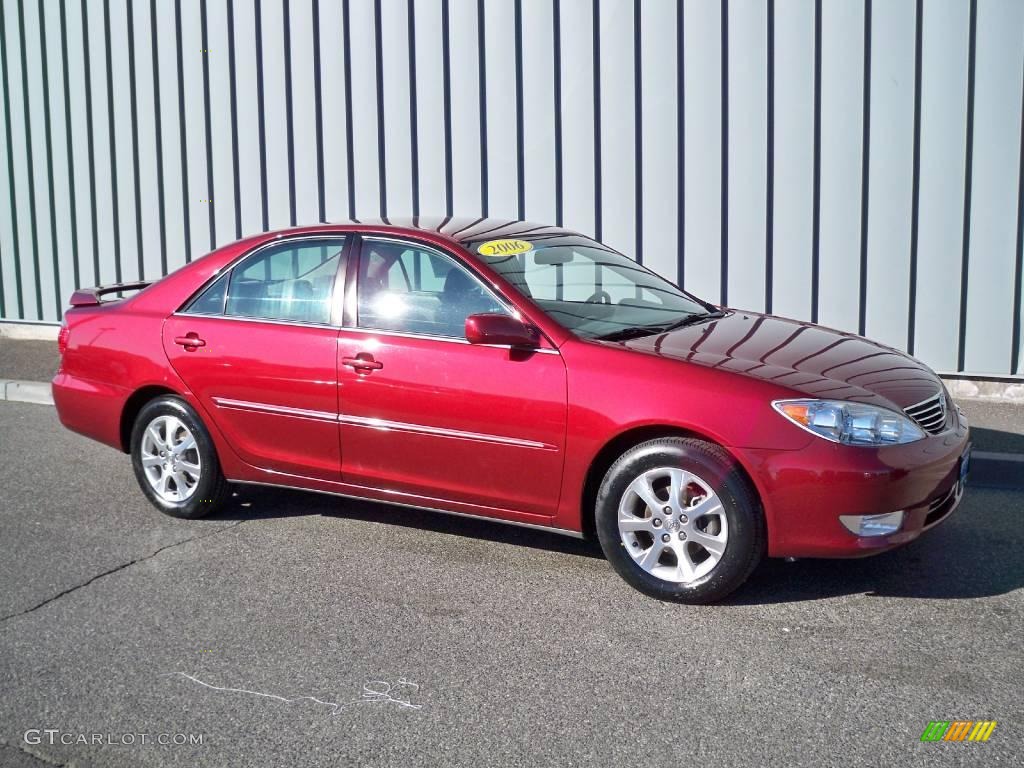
[490,328]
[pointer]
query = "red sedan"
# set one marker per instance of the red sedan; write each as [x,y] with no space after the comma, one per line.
[519,373]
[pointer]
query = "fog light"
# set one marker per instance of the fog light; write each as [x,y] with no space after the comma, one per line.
[873,525]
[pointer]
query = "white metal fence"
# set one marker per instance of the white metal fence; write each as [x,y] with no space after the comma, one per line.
[848,161]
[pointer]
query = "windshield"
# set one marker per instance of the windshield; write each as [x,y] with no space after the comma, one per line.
[588,288]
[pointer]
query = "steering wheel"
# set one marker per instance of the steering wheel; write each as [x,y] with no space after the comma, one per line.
[599,297]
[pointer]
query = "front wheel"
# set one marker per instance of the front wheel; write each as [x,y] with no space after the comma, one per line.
[678,521]
[175,461]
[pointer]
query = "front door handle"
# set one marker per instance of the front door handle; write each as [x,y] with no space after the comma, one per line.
[190,341]
[362,363]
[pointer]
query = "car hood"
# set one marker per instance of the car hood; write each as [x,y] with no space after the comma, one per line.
[810,359]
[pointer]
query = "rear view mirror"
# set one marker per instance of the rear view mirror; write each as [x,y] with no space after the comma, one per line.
[549,256]
[492,328]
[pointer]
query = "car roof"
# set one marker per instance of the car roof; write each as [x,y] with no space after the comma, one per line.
[462,230]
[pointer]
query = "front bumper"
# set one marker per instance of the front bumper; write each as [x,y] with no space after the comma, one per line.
[804,492]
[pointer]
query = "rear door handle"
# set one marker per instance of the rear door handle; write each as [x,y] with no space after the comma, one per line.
[362,363]
[189,341]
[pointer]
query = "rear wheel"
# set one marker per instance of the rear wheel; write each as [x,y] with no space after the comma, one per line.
[174,460]
[678,521]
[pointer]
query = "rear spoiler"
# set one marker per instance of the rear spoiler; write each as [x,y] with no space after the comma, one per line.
[87,297]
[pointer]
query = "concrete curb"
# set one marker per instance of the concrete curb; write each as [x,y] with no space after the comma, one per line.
[1010,392]
[36,392]
[29,331]
[1004,471]
[994,389]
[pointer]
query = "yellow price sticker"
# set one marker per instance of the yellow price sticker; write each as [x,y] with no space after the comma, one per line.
[504,247]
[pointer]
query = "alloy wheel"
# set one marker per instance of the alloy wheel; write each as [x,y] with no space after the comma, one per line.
[170,458]
[673,524]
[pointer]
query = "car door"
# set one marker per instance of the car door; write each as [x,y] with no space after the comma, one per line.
[258,347]
[423,411]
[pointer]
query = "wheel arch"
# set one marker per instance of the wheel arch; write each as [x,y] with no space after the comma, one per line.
[621,443]
[133,405]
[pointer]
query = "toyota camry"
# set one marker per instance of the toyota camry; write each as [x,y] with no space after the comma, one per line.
[520,373]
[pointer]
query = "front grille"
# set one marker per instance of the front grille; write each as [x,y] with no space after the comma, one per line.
[930,413]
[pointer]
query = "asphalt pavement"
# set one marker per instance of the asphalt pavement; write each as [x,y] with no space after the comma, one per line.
[28,360]
[298,629]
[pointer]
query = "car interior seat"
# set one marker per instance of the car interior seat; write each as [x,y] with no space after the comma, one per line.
[460,297]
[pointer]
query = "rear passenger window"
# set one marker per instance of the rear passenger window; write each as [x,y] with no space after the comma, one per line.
[291,281]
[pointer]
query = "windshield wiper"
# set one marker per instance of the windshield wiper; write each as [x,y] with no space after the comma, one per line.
[696,317]
[636,331]
[632,332]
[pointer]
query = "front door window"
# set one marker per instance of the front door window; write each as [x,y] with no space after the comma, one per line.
[412,289]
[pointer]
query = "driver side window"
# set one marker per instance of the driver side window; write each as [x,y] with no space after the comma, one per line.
[412,289]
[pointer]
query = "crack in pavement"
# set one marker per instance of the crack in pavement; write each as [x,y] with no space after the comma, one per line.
[115,569]
[34,755]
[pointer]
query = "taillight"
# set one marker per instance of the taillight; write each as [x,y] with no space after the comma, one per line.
[62,339]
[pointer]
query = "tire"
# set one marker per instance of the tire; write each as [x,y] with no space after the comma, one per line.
[680,568]
[189,473]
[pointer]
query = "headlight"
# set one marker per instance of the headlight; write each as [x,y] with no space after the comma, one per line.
[850,423]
